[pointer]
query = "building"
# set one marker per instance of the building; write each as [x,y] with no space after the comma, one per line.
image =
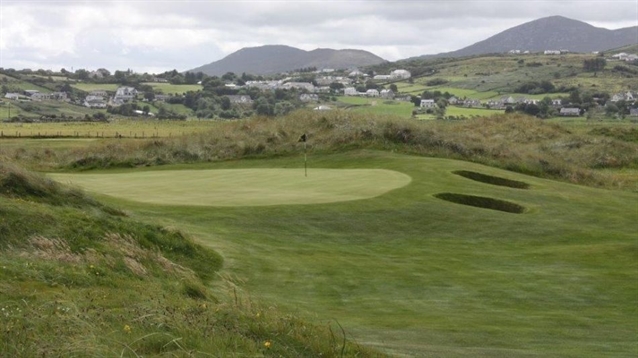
[350,91]
[124,94]
[400,74]
[387,93]
[240,99]
[372,93]
[428,103]
[309,97]
[570,112]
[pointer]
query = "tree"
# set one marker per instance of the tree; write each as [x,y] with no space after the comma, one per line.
[146,109]
[82,74]
[226,103]
[394,88]
[594,64]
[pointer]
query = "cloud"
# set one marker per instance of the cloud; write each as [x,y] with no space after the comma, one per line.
[152,35]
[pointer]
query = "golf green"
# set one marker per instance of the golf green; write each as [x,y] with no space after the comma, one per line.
[241,187]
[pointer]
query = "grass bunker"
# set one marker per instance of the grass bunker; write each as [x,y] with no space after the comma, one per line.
[482,202]
[490,179]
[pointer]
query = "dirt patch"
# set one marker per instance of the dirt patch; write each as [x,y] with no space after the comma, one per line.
[482,202]
[489,179]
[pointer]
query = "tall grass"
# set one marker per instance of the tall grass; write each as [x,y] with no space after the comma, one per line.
[514,142]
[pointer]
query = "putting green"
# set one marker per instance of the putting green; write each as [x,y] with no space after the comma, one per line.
[241,187]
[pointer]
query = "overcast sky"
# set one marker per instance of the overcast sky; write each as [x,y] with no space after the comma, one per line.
[155,36]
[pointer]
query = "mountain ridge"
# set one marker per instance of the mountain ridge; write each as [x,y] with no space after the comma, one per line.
[272,59]
[548,33]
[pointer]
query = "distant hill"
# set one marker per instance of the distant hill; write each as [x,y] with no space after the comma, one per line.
[271,59]
[550,33]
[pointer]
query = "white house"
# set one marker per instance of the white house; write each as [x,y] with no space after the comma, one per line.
[372,93]
[572,112]
[552,52]
[427,103]
[309,97]
[387,93]
[350,91]
[400,74]
[94,102]
[14,96]
[381,77]
[124,94]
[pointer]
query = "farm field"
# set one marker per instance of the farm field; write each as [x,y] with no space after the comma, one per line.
[378,106]
[416,275]
[463,112]
[88,87]
[126,128]
[167,88]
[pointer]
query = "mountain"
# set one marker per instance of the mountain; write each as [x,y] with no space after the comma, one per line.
[550,33]
[271,59]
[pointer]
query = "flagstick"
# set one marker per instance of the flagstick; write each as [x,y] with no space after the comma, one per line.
[305,159]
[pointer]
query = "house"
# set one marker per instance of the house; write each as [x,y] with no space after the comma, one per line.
[59,96]
[309,97]
[30,93]
[299,85]
[570,112]
[94,102]
[124,94]
[453,100]
[472,103]
[631,58]
[400,74]
[162,97]
[557,102]
[427,103]
[387,93]
[350,91]
[38,96]
[551,52]
[629,96]
[514,52]
[13,96]
[381,77]
[141,113]
[98,93]
[240,99]
[372,93]
[620,56]
[322,107]
[355,73]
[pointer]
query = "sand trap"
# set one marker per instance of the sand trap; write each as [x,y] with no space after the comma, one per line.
[241,187]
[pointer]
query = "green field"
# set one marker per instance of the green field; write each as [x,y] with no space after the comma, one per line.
[167,88]
[418,276]
[126,127]
[378,106]
[88,87]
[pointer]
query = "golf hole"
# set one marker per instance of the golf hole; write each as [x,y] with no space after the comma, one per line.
[489,179]
[240,187]
[482,202]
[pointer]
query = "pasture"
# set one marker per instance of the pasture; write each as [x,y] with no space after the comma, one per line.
[413,274]
[143,128]
[167,88]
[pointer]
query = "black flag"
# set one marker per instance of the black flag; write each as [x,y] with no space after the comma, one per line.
[302,138]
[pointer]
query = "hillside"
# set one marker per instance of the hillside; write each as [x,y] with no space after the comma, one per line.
[271,59]
[550,33]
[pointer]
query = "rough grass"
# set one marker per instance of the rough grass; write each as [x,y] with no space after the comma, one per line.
[514,142]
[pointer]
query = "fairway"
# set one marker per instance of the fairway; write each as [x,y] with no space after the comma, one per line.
[241,187]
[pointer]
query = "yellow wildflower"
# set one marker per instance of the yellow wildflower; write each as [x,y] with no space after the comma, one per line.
[267,344]
[127,328]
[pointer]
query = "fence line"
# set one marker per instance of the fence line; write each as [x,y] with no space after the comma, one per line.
[78,135]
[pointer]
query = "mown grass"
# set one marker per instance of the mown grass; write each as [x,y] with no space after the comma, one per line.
[78,278]
[419,276]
